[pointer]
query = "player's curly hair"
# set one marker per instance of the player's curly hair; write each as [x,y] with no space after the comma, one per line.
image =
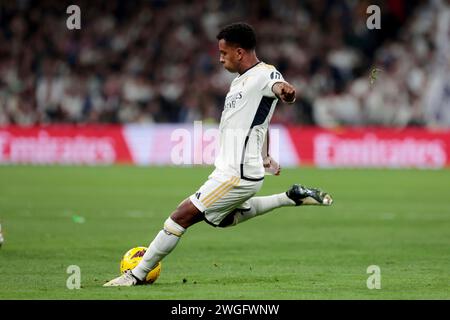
[240,34]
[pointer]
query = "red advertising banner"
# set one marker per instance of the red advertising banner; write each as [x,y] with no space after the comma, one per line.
[372,147]
[63,144]
[161,145]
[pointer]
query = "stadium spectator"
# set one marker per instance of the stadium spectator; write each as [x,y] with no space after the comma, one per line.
[145,61]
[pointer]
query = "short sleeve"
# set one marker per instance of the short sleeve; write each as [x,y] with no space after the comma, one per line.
[271,77]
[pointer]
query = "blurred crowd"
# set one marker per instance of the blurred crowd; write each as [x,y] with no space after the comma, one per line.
[157,61]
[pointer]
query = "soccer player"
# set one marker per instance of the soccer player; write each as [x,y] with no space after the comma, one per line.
[227,197]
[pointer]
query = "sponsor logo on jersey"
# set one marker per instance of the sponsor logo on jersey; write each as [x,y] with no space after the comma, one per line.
[230,101]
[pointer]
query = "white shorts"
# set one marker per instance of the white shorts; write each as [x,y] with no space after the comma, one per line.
[222,194]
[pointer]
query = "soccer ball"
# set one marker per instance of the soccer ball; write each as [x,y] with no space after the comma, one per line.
[132,258]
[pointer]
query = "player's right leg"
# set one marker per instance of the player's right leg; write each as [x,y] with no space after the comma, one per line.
[297,195]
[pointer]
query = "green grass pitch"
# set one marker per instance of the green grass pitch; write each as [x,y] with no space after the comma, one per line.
[398,220]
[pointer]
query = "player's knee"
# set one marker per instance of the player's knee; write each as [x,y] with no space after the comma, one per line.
[183,204]
[186,214]
[179,219]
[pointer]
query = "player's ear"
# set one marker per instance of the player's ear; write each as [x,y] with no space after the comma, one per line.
[239,53]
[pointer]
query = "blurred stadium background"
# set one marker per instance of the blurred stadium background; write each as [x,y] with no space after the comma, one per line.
[157,61]
[152,62]
[116,90]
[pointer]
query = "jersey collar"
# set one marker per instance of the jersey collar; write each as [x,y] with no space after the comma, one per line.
[250,68]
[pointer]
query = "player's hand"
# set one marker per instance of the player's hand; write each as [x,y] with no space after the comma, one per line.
[284,91]
[287,93]
[271,166]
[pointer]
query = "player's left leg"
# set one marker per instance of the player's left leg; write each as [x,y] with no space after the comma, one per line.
[167,239]
[189,212]
[185,215]
[297,195]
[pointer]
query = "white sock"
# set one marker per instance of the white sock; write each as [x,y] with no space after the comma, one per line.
[164,242]
[262,205]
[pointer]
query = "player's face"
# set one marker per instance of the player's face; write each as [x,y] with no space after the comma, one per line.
[230,56]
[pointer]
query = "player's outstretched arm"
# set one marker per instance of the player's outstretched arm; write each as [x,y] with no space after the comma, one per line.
[284,91]
[270,165]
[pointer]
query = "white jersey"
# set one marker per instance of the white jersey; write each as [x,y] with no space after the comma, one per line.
[249,106]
